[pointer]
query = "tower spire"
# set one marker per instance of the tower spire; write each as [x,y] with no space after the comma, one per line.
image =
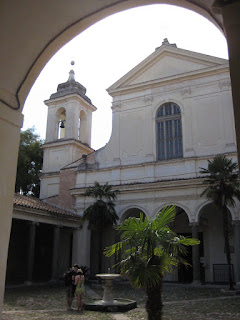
[72,73]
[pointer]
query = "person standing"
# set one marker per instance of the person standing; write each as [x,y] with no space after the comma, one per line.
[80,290]
[69,277]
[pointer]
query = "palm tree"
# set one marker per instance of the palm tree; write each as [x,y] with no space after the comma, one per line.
[147,250]
[101,214]
[222,187]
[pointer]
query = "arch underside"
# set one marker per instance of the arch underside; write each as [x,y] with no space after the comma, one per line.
[51,29]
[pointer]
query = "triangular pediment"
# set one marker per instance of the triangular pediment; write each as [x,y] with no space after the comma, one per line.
[167,62]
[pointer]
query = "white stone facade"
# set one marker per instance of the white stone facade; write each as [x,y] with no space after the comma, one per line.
[199,87]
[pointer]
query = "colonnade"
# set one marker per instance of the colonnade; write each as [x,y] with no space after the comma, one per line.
[54,243]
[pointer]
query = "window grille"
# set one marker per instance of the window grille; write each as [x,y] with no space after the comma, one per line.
[169,132]
[220,273]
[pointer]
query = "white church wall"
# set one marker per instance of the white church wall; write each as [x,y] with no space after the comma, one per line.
[134,137]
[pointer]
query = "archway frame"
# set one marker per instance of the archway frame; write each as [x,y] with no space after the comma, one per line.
[78,26]
[176,204]
[122,212]
[208,202]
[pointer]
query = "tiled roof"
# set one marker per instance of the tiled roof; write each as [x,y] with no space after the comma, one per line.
[35,203]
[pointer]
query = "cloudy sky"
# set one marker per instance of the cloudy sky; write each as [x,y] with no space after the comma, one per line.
[107,50]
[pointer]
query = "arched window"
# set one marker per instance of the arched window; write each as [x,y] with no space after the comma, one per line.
[61,123]
[82,126]
[169,132]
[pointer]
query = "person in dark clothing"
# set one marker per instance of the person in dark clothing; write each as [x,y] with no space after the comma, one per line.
[69,277]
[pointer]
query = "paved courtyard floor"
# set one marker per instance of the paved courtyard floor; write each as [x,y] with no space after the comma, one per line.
[181,302]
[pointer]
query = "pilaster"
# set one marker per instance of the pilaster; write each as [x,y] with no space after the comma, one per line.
[81,246]
[236,225]
[31,251]
[195,254]
[56,242]
[230,11]
[10,124]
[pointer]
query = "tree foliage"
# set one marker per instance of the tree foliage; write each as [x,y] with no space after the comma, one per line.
[30,159]
[101,214]
[222,181]
[147,250]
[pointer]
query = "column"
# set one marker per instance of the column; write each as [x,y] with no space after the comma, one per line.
[31,251]
[56,243]
[236,225]
[81,246]
[10,124]
[195,254]
[231,22]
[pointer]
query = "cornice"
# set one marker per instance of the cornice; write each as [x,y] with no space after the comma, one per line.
[154,163]
[63,142]
[70,97]
[149,186]
[50,174]
[197,74]
[24,213]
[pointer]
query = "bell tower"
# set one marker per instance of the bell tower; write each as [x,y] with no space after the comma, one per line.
[68,134]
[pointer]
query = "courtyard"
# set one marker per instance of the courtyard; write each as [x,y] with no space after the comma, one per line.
[180,302]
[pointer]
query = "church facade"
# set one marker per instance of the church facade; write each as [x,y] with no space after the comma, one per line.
[170,114]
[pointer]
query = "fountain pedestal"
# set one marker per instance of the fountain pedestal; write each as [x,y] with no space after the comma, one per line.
[108,303]
[107,293]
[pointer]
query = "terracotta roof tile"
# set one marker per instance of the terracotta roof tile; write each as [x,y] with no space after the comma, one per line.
[35,203]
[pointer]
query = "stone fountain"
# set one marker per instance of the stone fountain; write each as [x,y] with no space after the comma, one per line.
[108,302]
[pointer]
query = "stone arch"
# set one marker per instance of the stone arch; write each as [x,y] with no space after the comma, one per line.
[181,226]
[210,225]
[70,31]
[131,211]
[27,66]
[206,203]
[176,204]
[165,100]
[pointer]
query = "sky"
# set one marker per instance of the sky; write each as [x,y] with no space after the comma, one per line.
[109,49]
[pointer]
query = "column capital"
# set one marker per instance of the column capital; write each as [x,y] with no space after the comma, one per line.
[57,226]
[193,224]
[33,223]
[77,228]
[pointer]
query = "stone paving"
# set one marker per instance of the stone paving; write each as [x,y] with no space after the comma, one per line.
[122,316]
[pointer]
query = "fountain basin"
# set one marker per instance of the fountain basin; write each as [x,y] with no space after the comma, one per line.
[118,305]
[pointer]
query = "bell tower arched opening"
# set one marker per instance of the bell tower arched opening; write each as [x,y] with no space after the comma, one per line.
[61,123]
[82,127]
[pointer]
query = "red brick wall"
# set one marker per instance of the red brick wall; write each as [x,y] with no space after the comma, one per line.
[67,181]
